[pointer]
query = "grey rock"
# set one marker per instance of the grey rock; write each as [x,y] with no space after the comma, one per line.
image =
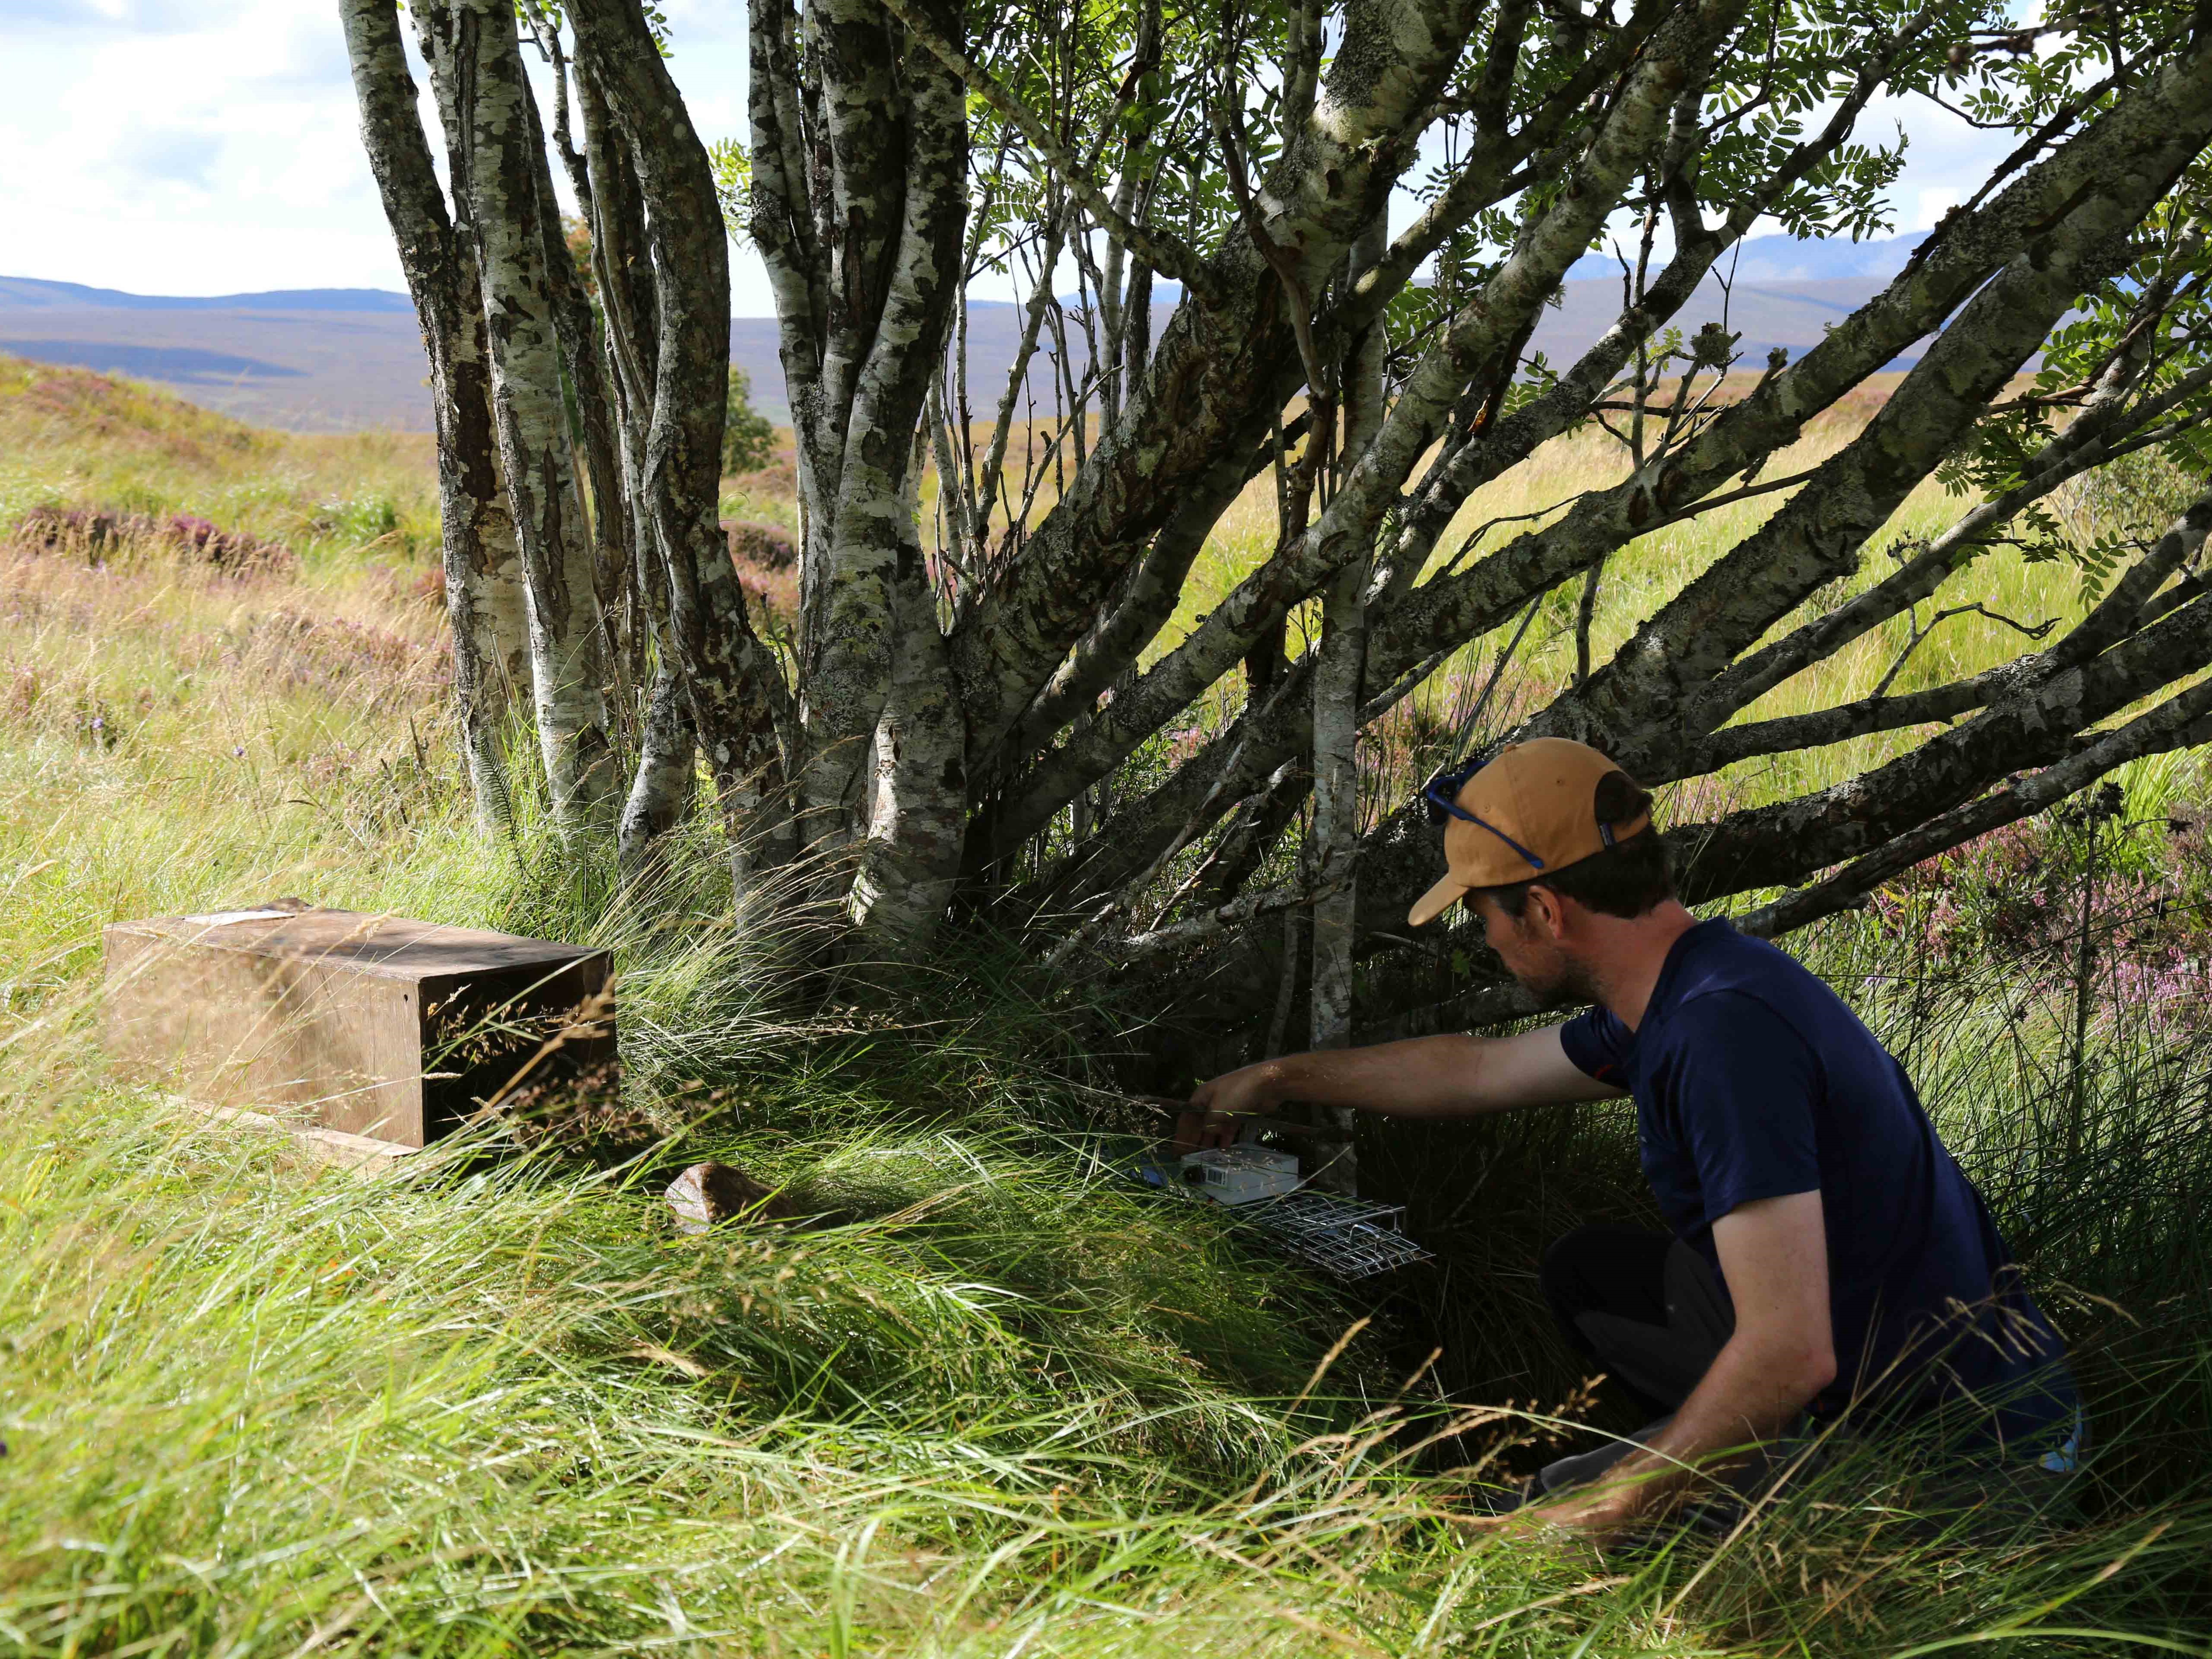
[706,1194]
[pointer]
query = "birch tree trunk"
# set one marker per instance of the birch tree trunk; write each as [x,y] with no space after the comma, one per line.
[622,264]
[677,370]
[1339,670]
[474,55]
[484,599]
[661,789]
[585,350]
[865,297]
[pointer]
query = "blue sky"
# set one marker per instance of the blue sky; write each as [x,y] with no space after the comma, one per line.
[206,147]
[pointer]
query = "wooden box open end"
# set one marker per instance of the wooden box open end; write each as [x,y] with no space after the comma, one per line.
[372,1025]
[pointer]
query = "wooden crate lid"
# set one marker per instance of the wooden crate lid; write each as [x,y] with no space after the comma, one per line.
[397,947]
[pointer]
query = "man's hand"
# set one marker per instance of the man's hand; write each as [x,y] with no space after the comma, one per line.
[1211,1118]
[1578,1525]
[1774,1257]
[1420,1077]
[1592,1518]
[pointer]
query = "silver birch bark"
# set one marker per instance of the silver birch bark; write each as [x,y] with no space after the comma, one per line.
[660,788]
[918,817]
[1336,703]
[675,374]
[472,46]
[484,605]
[895,235]
[661,785]
[861,230]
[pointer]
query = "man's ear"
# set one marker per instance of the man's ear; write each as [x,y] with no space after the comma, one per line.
[1547,912]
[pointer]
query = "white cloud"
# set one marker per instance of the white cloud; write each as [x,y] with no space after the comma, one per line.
[1934,201]
[142,155]
[166,153]
[73,18]
[177,147]
[173,147]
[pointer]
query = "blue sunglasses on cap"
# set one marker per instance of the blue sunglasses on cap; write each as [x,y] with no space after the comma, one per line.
[1440,798]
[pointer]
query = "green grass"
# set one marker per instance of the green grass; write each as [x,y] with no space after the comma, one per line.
[69,437]
[997,1400]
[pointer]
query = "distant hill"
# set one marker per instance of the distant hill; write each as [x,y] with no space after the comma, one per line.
[303,360]
[33,294]
[334,359]
[1786,260]
[1792,315]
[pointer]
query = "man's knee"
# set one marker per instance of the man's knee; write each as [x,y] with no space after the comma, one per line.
[1618,1269]
[1556,1263]
[1567,1271]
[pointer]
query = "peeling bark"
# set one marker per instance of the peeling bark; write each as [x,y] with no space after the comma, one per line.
[475,60]
[739,701]
[484,577]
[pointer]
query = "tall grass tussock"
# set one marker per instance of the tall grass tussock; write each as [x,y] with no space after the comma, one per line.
[991,1397]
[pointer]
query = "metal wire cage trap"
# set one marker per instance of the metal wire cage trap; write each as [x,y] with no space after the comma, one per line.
[1348,1238]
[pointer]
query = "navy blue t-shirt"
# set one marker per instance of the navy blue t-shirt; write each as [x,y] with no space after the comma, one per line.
[1752,1080]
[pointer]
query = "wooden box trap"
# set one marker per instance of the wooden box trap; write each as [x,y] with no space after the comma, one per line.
[369,1025]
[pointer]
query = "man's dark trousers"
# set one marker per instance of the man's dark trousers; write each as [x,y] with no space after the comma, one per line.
[1647,1310]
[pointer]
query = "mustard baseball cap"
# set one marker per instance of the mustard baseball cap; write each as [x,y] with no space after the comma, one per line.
[1530,811]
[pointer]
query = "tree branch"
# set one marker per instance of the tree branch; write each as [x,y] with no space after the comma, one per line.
[1346,527]
[1445,612]
[1218,377]
[2172,724]
[1220,922]
[2033,724]
[2089,442]
[1163,250]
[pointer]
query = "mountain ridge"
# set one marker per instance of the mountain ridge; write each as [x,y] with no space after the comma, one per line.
[38,294]
[327,359]
[1785,259]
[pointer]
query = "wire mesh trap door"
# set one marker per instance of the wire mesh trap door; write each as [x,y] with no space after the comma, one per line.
[1348,1238]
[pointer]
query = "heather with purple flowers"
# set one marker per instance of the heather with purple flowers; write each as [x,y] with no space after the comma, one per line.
[100,534]
[2025,895]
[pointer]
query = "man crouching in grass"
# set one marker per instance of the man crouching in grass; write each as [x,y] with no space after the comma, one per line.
[1830,1266]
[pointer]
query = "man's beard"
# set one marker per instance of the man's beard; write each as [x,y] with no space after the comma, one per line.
[1563,983]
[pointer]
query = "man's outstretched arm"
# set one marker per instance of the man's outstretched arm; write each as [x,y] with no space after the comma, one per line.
[1774,1255]
[1420,1076]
